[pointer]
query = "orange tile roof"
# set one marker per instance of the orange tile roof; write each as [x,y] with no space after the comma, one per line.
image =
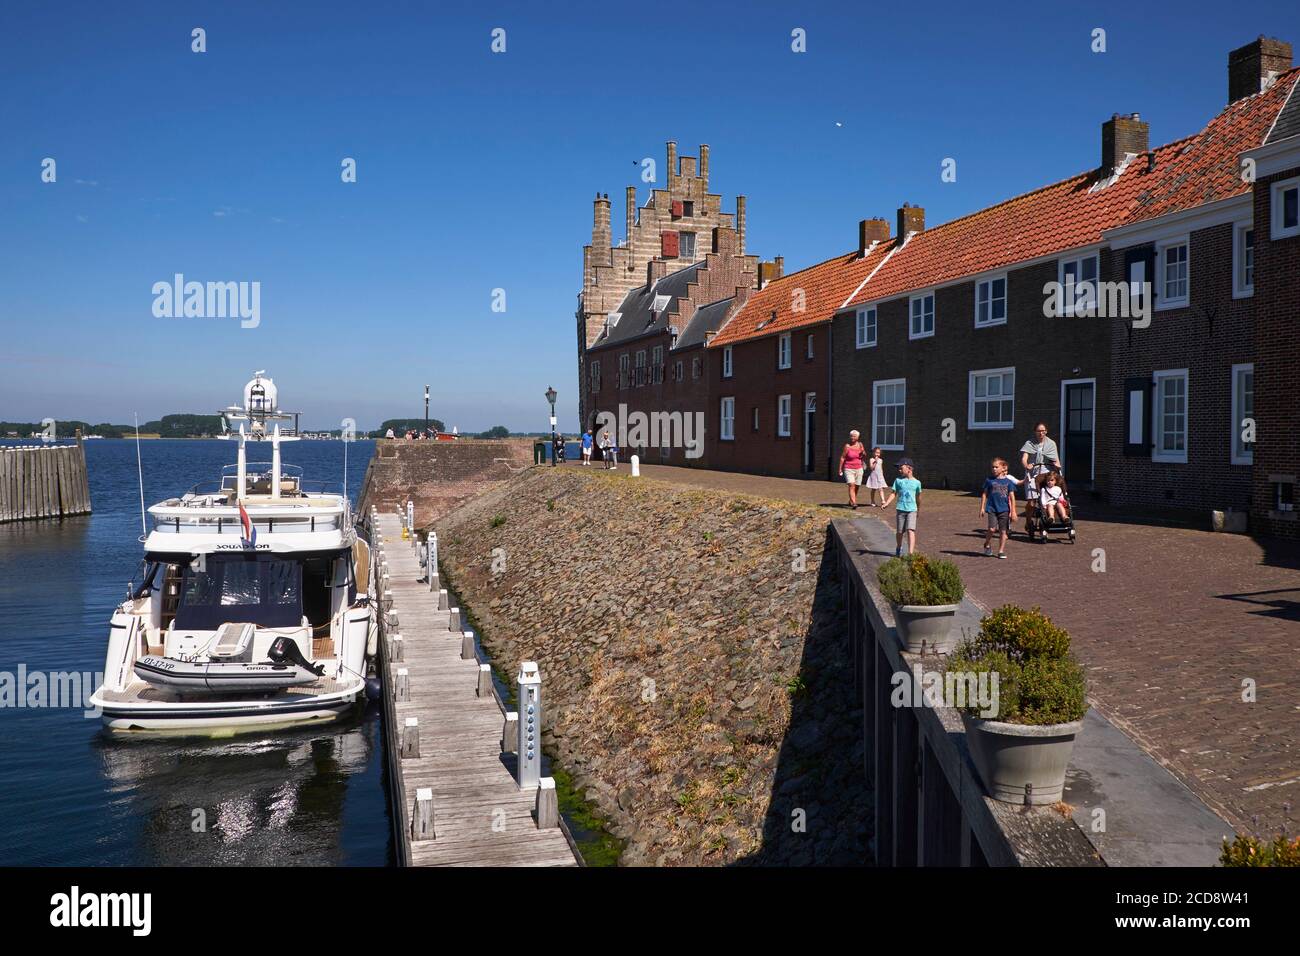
[824,287]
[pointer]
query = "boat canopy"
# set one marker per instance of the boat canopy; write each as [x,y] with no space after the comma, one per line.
[259,589]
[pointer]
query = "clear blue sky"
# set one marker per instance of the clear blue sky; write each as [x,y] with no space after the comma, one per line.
[476,170]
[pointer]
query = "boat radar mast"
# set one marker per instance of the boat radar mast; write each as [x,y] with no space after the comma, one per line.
[260,408]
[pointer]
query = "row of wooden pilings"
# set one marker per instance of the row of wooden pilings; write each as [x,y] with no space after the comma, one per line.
[422,823]
[43,481]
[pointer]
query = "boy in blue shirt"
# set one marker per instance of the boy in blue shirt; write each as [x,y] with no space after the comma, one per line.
[586,447]
[908,492]
[998,502]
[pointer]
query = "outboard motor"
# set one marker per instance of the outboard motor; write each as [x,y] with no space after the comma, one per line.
[285,651]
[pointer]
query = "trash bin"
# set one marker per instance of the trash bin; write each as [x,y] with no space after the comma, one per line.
[539,453]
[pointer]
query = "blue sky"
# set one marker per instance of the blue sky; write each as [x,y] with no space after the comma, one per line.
[476,170]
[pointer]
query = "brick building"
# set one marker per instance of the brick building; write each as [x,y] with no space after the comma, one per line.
[679,226]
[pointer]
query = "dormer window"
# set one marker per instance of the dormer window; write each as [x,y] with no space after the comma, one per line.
[661,302]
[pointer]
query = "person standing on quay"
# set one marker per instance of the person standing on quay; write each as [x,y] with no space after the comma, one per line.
[851,462]
[876,480]
[586,447]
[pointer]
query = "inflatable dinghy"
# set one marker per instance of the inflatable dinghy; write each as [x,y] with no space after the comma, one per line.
[285,667]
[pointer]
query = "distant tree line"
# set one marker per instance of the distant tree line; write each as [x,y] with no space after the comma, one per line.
[169,426]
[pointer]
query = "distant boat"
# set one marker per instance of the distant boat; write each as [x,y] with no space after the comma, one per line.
[254,606]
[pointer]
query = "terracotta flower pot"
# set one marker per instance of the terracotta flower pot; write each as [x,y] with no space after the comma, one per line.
[1021,763]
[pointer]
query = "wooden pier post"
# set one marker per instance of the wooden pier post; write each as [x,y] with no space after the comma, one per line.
[422,815]
[467,652]
[454,623]
[510,732]
[411,739]
[484,688]
[548,804]
[403,688]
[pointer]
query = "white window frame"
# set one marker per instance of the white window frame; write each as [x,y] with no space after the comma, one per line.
[1239,457]
[784,350]
[867,328]
[971,399]
[1276,229]
[1163,299]
[681,245]
[988,282]
[784,416]
[1240,287]
[726,361]
[876,440]
[1067,293]
[727,423]
[1157,415]
[911,327]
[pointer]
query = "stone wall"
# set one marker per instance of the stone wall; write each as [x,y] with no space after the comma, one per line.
[439,475]
[691,644]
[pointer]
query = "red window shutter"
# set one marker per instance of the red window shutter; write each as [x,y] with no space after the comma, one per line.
[669,244]
[678,209]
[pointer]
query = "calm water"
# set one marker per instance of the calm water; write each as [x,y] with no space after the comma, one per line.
[72,795]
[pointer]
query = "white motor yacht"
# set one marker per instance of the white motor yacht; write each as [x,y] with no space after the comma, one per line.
[253,606]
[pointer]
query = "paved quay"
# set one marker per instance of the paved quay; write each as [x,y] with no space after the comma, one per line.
[1178,627]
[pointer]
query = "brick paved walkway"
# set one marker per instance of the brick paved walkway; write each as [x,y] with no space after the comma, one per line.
[1169,632]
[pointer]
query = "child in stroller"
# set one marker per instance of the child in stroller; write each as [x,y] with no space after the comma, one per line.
[1049,510]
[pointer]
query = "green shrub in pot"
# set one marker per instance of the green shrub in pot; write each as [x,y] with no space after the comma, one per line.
[916,580]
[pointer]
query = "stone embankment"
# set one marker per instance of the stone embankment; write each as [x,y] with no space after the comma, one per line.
[439,475]
[693,659]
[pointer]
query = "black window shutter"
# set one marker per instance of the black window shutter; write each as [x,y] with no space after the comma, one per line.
[1137,404]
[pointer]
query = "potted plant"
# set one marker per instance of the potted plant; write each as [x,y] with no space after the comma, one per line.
[1021,746]
[925,594]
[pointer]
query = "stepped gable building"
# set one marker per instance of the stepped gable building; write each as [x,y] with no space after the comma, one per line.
[770,400]
[679,226]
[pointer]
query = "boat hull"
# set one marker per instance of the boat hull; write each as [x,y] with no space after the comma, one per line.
[136,712]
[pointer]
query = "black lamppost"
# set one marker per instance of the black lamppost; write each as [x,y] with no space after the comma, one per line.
[426,411]
[551,395]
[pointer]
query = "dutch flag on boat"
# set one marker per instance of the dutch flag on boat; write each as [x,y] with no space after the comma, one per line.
[250,533]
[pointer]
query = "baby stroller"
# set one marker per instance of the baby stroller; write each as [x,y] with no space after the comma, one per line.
[1038,524]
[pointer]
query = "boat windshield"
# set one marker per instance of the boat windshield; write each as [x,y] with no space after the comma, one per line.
[255,589]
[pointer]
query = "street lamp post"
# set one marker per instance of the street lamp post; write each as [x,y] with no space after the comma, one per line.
[551,395]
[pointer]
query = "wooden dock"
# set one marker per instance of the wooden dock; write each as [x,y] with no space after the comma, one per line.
[43,481]
[452,772]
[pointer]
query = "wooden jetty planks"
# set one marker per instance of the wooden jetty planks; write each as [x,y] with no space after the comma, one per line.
[481,817]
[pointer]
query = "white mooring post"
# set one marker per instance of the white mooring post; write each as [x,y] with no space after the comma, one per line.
[433,550]
[411,738]
[510,732]
[410,519]
[403,684]
[422,815]
[548,804]
[467,652]
[636,466]
[528,747]
[484,688]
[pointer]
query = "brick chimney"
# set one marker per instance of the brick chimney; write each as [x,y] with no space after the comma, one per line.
[724,240]
[704,164]
[656,269]
[910,219]
[1121,135]
[631,213]
[769,271]
[869,231]
[600,237]
[740,225]
[672,160]
[1253,67]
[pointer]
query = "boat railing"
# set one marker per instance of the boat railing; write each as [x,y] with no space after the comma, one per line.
[194,522]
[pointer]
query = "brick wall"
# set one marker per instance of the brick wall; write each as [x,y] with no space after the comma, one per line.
[1043,352]
[1277,364]
[439,475]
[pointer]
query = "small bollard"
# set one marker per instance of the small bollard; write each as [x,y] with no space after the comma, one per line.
[422,815]
[509,732]
[636,466]
[435,584]
[484,688]
[388,599]
[392,618]
[548,804]
[396,648]
[442,599]
[454,623]
[411,739]
[403,684]
[467,652]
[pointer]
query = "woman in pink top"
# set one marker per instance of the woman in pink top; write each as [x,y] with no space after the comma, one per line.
[852,460]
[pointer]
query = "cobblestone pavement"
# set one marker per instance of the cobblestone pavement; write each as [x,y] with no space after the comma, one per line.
[1174,632]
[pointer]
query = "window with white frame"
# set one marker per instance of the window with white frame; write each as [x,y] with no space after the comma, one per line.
[1173,275]
[888,415]
[727,426]
[991,301]
[1243,414]
[810,346]
[866,327]
[1243,261]
[992,400]
[783,350]
[595,375]
[726,361]
[922,323]
[1169,424]
[783,416]
[687,241]
[1078,278]
[1285,209]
